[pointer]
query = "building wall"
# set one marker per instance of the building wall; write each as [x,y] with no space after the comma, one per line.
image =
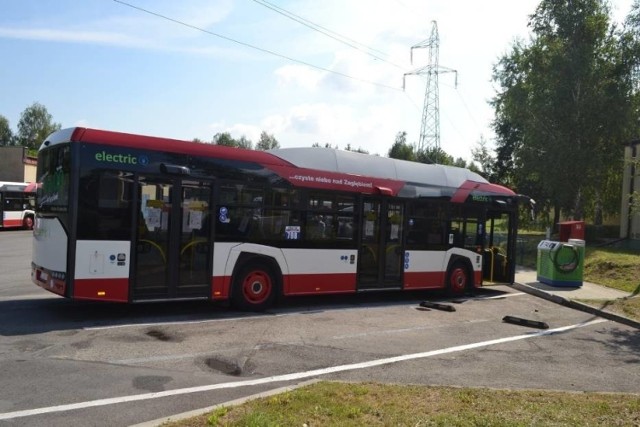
[629,221]
[16,166]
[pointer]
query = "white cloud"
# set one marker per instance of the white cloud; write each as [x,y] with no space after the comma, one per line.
[372,128]
[237,130]
[299,75]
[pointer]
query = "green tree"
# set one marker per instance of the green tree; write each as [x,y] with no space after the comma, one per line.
[243,142]
[563,107]
[35,125]
[401,149]
[267,142]
[326,145]
[481,154]
[434,155]
[356,150]
[224,138]
[6,136]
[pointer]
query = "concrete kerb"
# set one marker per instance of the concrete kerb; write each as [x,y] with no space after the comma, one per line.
[576,305]
[236,402]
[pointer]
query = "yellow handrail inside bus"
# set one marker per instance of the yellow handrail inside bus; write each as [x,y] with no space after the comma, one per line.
[157,246]
[191,243]
[493,250]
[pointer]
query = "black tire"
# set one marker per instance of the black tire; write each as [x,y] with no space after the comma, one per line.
[27,223]
[255,287]
[459,279]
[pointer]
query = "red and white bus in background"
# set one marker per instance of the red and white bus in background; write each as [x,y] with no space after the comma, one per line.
[132,218]
[17,203]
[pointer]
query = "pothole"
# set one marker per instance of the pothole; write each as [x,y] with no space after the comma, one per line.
[161,335]
[234,368]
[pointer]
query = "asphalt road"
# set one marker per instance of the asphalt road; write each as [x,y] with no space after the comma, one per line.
[66,363]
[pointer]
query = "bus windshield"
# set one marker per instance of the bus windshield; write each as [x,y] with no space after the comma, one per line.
[53,179]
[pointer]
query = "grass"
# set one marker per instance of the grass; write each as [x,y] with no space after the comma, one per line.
[628,307]
[348,404]
[614,268]
[618,269]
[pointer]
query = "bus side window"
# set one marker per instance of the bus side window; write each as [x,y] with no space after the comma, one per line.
[455,237]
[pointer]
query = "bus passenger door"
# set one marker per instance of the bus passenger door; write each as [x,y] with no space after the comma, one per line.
[194,266]
[499,260]
[173,243]
[381,250]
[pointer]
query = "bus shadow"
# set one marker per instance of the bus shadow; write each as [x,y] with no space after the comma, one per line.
[36,316]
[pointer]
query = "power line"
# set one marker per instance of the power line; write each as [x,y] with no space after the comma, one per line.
[270,52]
[327,32]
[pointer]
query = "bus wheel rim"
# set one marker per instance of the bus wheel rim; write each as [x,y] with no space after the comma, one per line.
[458,279]
[28,223]
[256,287]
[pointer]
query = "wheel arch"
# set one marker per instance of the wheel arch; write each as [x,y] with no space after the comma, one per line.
[466,262]
[244,254]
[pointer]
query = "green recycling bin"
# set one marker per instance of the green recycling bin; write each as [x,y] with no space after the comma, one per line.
[561,263]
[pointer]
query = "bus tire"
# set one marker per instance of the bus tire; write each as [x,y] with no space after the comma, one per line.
[255,287]
[458,279]
[27,222]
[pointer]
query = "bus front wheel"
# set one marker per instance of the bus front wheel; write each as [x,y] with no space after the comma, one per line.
[458,279]
[27,223]
[255,287]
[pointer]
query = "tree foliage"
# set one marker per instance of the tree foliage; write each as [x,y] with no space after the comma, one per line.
[356,150]
[225,138]
[35,125]
[401,149]
[267,142]
[6,136]
[563,108]
[326,145]
[481,154]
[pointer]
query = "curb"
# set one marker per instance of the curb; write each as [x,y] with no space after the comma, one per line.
[236,402]
[576,305]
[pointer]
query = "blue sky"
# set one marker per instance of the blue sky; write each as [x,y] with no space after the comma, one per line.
[107,65]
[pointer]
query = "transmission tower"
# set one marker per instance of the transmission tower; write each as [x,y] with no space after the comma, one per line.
[430,126]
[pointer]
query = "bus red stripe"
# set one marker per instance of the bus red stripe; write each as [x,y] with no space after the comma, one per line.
[424,280]
[298,284]
[220,286]
[116,290]
[301,284]
[12,222]
[477,279]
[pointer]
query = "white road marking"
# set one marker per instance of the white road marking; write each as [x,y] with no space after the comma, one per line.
[515,294]
[288,377]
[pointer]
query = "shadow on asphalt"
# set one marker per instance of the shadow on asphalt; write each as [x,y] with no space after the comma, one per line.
[35,316]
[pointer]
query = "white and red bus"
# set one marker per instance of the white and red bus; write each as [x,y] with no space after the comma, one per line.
[132,218]
[17,202]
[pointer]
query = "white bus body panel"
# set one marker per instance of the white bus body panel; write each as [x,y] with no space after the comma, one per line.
[102,259]
[50,243]
[321,261]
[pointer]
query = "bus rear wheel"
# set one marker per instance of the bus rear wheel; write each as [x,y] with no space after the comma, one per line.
[255,287]
[458,279]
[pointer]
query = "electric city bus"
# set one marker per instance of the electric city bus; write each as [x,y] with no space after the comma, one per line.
[131,218]
[17,203]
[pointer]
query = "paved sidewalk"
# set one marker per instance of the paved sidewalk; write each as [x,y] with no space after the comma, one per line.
[526,281]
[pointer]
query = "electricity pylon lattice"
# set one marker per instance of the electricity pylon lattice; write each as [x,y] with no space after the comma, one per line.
[430,126]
